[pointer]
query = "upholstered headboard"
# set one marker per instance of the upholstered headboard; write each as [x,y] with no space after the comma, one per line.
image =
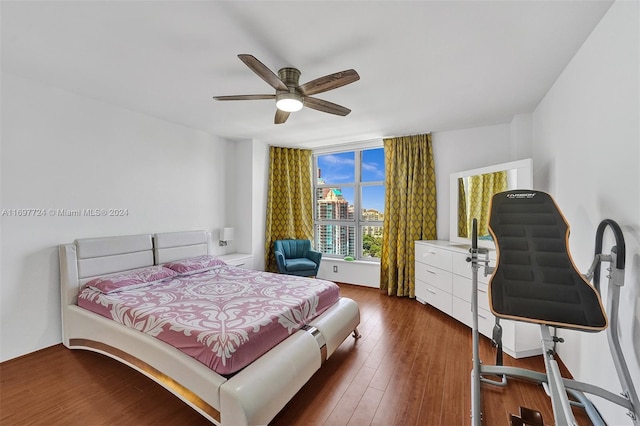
[170,246]
[89,257]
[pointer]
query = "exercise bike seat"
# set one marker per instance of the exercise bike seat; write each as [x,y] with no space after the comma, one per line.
[535,279]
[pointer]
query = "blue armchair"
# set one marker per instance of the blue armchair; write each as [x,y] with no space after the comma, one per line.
[295,257]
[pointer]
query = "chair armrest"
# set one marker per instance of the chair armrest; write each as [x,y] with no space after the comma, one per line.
[280,260]
[315,256]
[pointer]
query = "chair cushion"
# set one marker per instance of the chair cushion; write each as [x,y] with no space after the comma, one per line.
[299,264]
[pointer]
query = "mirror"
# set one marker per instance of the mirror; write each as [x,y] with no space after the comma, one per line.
[471,190]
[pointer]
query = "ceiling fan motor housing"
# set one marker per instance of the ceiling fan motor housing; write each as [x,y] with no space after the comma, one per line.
[289,76]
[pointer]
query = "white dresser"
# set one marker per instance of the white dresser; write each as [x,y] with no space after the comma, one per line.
[443,280]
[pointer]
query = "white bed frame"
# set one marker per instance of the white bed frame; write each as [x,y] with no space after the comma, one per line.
[251,397]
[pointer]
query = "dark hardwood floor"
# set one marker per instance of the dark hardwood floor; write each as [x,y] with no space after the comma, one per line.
[411,367]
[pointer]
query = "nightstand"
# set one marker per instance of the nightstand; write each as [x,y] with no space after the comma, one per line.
[244,260]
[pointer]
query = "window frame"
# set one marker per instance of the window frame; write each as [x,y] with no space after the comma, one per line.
[358,223]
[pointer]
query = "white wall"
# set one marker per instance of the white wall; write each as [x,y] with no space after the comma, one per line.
[362,273]
[260,164]
[586,150]
[62,151]
[249,200]
[457,150]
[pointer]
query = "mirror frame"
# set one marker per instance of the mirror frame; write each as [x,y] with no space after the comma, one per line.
[524,180]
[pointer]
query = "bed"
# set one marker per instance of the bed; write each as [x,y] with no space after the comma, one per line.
[240,390]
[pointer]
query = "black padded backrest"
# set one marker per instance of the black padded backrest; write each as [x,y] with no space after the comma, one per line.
[535,279]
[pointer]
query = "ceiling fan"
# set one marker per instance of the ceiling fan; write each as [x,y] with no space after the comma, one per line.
[291,96]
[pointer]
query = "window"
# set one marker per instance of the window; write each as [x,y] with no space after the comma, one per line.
[349,200]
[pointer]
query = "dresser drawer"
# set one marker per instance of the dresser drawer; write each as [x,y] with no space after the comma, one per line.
[434,276]
[462,312]
[433,256]
[461,267]
[462,290]
[434,296]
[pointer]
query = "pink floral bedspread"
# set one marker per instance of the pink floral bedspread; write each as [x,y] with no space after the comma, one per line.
[225,318]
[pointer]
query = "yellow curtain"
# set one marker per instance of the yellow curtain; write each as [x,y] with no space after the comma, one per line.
[481,189]
[462,210]
[289,199]
[410,210]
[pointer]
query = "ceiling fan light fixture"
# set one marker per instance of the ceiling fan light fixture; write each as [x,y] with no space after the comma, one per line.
[289,102]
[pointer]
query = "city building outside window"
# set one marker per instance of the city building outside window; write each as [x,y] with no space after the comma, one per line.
[349,203]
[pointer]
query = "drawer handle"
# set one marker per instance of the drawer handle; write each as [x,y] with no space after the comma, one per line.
[431,291]
[482,291]
[482,316]
[429,252]
[431,272]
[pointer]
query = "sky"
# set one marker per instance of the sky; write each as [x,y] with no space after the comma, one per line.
[339,168]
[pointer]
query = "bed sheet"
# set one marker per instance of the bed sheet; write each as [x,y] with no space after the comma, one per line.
[225,317]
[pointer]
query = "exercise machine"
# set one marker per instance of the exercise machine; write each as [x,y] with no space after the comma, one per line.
[536,281]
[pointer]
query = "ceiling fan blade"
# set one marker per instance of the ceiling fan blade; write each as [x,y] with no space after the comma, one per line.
[329,82]
[243,97]
[325,106]
[281,116]
[265,73]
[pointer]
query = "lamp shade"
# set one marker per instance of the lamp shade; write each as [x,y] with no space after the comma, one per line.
[227,234]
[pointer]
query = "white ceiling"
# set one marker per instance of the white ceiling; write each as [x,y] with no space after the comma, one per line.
[424,65]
